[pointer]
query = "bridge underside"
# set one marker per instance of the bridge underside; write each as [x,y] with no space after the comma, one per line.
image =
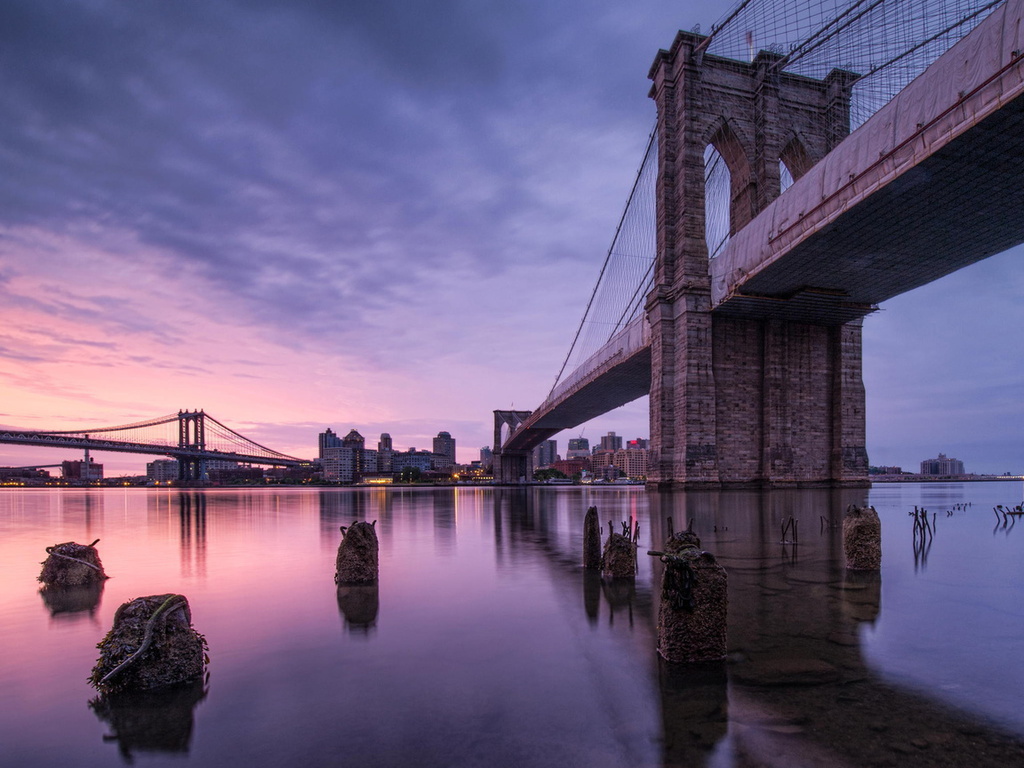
[611,388]
[620,381]
[929,184]
[960,205]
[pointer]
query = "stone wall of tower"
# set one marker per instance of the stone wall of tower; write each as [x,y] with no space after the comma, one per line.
[742,401]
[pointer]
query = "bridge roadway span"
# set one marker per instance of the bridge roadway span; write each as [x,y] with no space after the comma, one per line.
[929,184]
[98,444]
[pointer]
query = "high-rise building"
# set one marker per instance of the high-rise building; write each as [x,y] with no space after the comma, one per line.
[545,454]
[339,464]
[444,447]
[385,451]
[579,448]
[328,440]
[642,443]
[364,460]
[486,457]
[610,442]
[942,466]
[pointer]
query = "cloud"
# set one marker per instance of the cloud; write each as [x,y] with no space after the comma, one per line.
[324,213]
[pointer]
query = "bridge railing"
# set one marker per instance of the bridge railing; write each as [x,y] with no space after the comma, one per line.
[622,345]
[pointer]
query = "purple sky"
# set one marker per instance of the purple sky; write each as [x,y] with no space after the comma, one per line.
[387,216]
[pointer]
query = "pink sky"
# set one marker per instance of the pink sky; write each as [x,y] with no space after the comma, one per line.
[307,216]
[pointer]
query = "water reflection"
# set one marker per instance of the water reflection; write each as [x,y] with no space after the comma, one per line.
[192,532]
[158,721]
[359,605]
[71,603]
[694,711]
[495,641]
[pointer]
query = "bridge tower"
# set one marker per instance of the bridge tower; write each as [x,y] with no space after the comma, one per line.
[192,435]
[752,399]
[510,466]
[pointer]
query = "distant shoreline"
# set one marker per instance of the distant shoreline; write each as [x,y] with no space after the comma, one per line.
[943,479]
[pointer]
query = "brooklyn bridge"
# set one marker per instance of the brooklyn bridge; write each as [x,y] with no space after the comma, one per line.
[809,161]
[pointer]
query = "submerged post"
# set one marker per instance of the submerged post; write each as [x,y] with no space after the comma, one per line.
[72,565]
[862,539]
[357,554]
[694,602]
[591,540]
[151,644]
[619,558]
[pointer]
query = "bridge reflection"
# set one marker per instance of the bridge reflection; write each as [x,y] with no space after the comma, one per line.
[796,689]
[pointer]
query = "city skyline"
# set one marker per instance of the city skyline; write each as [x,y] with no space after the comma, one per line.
[263,211]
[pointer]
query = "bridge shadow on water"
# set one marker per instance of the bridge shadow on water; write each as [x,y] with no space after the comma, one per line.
[795,689]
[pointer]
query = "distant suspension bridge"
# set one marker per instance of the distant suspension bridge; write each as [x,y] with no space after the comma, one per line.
[192,437]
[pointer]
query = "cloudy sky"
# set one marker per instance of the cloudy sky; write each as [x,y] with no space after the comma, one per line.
[386,215]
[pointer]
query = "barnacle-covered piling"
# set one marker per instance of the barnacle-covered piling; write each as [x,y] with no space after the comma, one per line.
[862,539]
[72,565]
[619,558]
[357,554]
[694,602]
[151,644]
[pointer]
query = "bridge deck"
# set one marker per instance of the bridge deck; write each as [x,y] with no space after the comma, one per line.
[929,184]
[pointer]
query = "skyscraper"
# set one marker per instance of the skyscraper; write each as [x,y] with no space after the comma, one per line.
[611,442]
[579,448]
[328,440]
[360,458]
[444,447]
[545,454]
[385,452]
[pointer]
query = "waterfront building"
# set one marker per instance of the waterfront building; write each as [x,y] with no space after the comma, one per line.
[162,470]
[413,459]
[632,462]
[942,466]
[545,454]
[339,464]
[486,456]
[572,467]
[81,470]
[444,448]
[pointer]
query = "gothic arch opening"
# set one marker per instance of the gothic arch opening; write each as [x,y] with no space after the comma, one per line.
[727,189]
[793,163]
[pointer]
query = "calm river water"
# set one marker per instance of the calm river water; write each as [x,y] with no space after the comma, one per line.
[486,644]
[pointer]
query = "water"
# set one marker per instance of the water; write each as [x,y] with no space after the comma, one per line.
[486,644]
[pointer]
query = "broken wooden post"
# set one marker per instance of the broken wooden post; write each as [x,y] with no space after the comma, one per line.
[862,539]
[151,644]
[357,554]
[619,558]
[72,565]
[591,540]
[694,602]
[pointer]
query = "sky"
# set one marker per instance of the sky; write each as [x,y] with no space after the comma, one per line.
[385,216]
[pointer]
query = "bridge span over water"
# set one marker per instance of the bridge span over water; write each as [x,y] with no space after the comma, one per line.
[750,345]
[193,438]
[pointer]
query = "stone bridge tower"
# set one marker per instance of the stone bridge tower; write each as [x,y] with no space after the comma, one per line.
[758,399]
